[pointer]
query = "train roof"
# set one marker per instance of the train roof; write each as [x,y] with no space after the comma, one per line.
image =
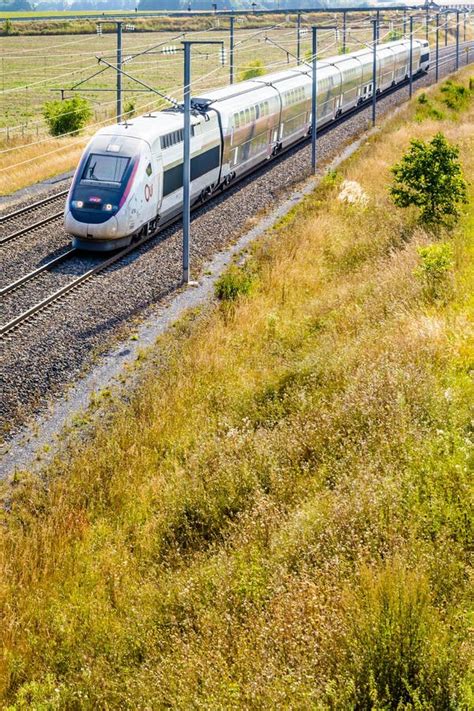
[146,127]
[263,84]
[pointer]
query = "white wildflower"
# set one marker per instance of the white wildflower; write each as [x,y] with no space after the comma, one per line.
[353,194]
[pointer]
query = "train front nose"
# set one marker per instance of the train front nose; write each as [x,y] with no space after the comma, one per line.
[83,228]
[94,214]
[104,237]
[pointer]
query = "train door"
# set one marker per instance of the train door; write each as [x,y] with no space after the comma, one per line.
[156,178]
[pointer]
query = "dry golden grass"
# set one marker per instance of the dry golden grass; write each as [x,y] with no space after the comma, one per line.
[279,518]
[34,163]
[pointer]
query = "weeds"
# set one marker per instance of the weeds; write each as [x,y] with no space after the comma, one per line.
[455,96]
[234,283]
[436,269]
[426,110]
[279,516]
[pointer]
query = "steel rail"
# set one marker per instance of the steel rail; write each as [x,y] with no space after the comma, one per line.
[29,228]
[33,206]
[40,306]
[31,275]
[14,323]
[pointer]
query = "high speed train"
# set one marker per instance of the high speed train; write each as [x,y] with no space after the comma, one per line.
[129,180]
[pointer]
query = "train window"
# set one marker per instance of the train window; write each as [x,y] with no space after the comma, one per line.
[200,165]
[149,170]
[171,139]
[105,169]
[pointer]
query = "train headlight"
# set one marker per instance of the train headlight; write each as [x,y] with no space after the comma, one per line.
[108,207]
[77,203]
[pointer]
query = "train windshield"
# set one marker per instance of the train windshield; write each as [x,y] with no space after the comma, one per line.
[105,169]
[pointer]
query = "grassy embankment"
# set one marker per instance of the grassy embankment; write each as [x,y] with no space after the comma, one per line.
[279,518]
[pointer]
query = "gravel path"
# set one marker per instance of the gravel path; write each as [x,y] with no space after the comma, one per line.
[53,350]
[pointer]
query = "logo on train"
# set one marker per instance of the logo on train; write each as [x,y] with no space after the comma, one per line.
[148,192]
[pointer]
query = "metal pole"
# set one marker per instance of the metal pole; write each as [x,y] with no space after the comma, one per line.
[411,56]
[404,22]
[378,24]
[187,153]
[187,161]
[298,38]
[314,104]
[374,70]
[465,19]
[426,23]
[457,39]
[344,32]
[119,73]
[437,46]
[446,30]
[231,50]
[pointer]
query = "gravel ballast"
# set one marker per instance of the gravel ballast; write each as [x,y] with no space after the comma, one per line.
[52,350]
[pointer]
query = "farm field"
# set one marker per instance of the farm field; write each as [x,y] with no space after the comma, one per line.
[34,69]
[31,67]
[278,516]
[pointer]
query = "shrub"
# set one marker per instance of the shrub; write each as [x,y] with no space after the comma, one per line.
[8,28]
[394,35]
[308,56]
[430,177]
[129,109]
[425,109]
[435,269]
[237,281]
[393,641]
[67,116]
[455,96]
[254,68]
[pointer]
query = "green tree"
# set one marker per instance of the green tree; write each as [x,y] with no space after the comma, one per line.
[254,68]
[8,27]
[67,116]
[429,176]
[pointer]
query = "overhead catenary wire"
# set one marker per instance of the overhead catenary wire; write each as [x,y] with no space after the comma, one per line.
[96,124]
[241,49]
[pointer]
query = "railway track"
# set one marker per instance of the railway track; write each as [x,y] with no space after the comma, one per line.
[25,316]
[36,272]
[15,224]
[8,329]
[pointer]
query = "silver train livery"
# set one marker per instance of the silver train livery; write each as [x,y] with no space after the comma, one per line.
[130,177]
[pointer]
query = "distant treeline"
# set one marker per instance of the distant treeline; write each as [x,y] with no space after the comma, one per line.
[94,5]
